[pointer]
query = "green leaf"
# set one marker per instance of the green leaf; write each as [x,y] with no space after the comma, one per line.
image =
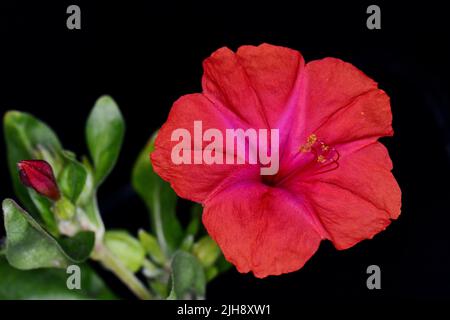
[211,273]
[72,179]
[2,247]
[25,138]
[89,188]
[195,222]
[49,284]
[126,248]
[79,247]
[29,246]
[150,244]
[187,243]
[222,264]
[206,251]
[159,198]
[105,130]
[160,287]
[188,277]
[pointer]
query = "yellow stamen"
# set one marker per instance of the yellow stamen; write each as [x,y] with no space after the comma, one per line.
[309,143]
[312,139]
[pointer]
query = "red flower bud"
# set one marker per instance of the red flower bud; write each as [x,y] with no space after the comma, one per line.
[38,175]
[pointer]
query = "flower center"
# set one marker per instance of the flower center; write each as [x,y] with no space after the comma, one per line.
[325,156]
[270,181]
[325,159]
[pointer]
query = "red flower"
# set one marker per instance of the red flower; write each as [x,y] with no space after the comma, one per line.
[38,175]
[334,180]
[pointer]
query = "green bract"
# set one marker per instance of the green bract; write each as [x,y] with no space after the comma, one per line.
[150,244]
[207,251]
[126,248]
[72,179]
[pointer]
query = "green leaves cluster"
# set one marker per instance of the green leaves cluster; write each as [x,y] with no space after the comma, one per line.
[46,284]
[191,257]
[44,235]
[48,234]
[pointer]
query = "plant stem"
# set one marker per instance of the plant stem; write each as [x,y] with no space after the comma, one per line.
[110,262]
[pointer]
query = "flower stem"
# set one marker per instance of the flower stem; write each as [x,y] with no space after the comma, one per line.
[110,262]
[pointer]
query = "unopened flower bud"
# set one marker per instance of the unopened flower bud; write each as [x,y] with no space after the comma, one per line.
[38,175]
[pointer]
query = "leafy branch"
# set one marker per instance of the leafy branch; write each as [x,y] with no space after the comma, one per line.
[60,227]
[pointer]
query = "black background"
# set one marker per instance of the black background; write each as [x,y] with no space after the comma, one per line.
[146,55]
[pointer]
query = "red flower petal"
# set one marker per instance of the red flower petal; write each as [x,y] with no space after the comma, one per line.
[261,229]
[235,85]
[194,181]
[340,104]
[255,83]
[355,201]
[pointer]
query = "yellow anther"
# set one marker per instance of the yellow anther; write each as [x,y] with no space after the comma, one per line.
[312,139]
[305,148]
[309,143]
